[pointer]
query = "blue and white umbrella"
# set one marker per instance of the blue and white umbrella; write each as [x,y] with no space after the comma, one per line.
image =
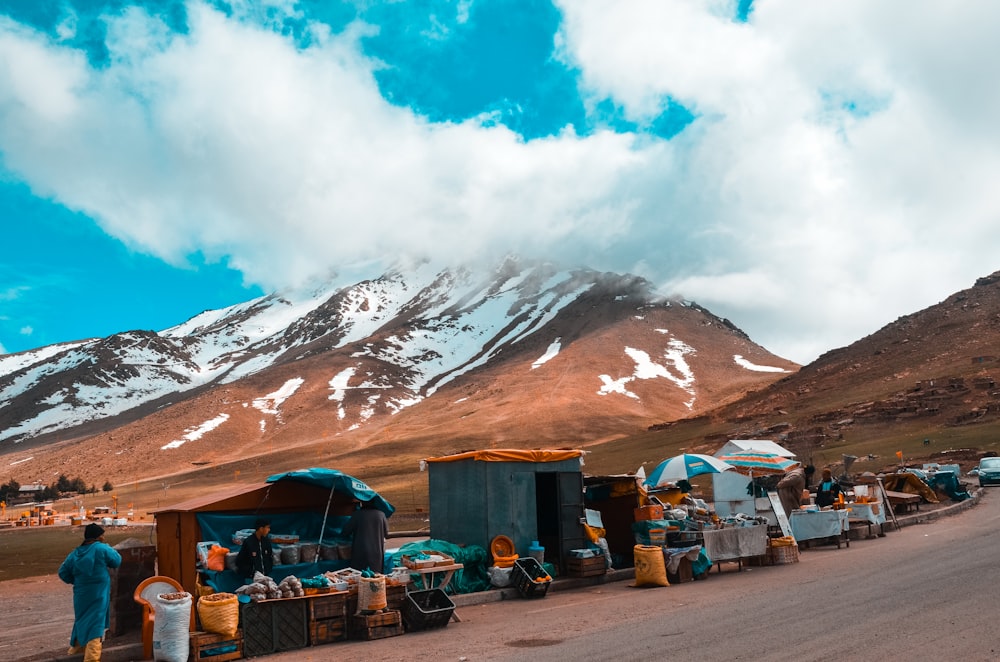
[684,467]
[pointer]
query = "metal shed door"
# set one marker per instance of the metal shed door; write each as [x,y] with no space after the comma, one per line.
[571,534]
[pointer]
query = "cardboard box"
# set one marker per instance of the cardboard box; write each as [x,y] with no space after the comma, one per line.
[648,512]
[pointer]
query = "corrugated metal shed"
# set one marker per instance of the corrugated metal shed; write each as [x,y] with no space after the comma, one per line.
[524,495]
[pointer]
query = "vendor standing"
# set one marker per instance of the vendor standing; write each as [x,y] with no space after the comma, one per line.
[828,490]
[370,528]
[86,568]
[790,489]
[255,554]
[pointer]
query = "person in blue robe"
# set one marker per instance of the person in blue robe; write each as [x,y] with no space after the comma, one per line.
[86,568]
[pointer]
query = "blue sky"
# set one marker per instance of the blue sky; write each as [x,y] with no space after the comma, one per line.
[809,170]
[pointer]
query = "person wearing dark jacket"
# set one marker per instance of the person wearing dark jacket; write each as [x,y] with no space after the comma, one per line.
[86,568]
[255,554]
[827,490]
[369,527]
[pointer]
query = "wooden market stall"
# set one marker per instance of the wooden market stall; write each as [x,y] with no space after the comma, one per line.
[526,495]
[312,504]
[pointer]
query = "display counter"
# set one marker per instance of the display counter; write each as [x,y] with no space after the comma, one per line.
[819,525]
[735,543]
[872,513]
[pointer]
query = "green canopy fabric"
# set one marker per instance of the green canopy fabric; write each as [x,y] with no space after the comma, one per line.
[337,481]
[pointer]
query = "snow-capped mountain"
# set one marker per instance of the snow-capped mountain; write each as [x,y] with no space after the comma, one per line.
[356,357]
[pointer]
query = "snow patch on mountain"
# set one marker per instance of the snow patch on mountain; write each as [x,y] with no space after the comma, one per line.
[646,368]
[742,362]
[550,353]
[270,403]
[196,433]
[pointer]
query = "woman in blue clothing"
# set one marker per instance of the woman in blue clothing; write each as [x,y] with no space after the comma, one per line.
[86,568]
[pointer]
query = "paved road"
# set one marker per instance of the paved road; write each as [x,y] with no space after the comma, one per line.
[922,593]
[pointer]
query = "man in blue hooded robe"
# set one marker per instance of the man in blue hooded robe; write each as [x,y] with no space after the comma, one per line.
[86,568]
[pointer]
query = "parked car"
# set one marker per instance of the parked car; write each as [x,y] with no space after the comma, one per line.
[989,471]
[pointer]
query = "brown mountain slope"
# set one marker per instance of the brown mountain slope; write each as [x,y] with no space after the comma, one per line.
[654,361]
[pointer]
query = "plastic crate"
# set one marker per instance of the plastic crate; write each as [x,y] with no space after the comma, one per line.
[270,626]
[423,610]
[529,578]
[685,538]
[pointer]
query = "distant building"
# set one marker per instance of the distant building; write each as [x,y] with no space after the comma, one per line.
[28,494]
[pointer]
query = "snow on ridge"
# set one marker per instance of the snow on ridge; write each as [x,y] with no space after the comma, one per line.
[550,353]
[10,363]
[742,362]
[492,316]
[195,433]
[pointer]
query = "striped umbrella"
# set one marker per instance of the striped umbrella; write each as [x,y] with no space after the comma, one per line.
[756,463]
[684,467]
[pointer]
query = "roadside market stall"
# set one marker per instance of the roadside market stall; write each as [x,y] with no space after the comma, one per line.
[307,507]
[298,603]
[732,490]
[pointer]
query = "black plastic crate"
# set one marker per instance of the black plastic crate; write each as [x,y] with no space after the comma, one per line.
[529,578]
[270,626]
[423,610]
[685,538]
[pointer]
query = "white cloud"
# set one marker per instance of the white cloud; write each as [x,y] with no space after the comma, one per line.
[26,330]
[815,222]
[839,173]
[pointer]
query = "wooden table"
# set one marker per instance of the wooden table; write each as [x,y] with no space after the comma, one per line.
[903,501]
[442,573]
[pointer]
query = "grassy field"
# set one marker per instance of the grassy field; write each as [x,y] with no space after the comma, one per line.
[36,551]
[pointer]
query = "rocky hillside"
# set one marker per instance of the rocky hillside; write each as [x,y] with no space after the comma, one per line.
[925,385]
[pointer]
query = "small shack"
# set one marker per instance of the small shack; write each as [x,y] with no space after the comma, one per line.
[312,504]
[524,495]
[730,491]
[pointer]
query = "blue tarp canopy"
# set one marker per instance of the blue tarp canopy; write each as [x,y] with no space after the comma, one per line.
[336,481]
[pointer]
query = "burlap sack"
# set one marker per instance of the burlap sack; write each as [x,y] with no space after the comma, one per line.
[650,569]
[371,594]
[219,613]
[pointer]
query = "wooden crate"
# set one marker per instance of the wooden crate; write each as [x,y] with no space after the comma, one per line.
[331,605]
[327,630]
[592,567]
[207,646]
[367,627]
[394,597]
